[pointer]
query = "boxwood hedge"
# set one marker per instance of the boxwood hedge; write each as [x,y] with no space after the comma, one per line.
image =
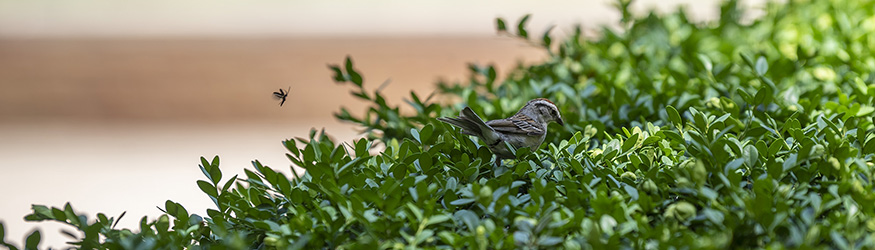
[733,133]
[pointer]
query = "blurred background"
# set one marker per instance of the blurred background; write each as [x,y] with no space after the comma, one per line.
[109,104]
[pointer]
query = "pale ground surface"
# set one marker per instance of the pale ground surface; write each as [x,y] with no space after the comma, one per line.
[108,105]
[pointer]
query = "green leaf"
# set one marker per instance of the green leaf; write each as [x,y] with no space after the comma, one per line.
[71,215]
[500,25]
[632,191]
[839,240]
[490,76]
[744,96]
[751,156]
[216,175]
[865,110]
[700,120]
[206,167]
[775,147]
[415,133]
[460,202]
[170,207]
[762,66]
[869,146]
[706,62]
[338,75]
[630,143]
[426,132]
[361,147]
[399,171]
[545,39]
[790,162]
[415,210]
[425,162]
[714,216]
[292,146]
[764,96]
[207,188]
[547,241]
[437,219]
[2,232]
[747,60]
[215,162]
[521,27]
[674,116]
[58,214]
[229,183]
[468,218]
[829,124]
[354,76]
[33,240]
[733,165]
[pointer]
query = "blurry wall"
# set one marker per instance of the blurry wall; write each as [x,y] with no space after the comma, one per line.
[301,18]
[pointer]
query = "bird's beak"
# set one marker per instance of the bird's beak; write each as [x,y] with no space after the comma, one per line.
[559,120]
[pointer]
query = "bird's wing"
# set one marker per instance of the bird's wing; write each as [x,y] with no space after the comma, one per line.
[517,124]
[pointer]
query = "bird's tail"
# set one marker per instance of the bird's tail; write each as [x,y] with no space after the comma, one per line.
[471,124]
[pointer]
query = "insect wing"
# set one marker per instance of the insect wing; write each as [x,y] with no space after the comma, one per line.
[281,95]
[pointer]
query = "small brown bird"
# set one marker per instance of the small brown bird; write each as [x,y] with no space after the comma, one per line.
[281,95]
[526,129]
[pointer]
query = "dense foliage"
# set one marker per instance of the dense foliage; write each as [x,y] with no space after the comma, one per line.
[731,133]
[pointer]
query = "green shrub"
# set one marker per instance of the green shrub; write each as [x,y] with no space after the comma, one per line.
[723,134]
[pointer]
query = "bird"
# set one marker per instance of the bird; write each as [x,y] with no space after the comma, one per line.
[525,129]
[281,95]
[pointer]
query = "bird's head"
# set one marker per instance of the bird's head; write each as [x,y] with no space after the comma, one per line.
[544,110]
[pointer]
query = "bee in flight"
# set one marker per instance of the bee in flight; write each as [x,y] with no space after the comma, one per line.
[281,95]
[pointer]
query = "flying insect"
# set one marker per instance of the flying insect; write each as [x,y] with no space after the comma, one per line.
[281,95]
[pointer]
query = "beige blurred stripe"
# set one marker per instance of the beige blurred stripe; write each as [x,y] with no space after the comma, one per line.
[226,80]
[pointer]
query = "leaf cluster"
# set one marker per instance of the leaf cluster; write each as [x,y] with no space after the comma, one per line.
[679,134]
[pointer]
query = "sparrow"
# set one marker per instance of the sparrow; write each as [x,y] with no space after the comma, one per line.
[526,129]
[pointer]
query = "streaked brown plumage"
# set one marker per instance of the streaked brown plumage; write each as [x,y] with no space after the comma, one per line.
[526,128]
